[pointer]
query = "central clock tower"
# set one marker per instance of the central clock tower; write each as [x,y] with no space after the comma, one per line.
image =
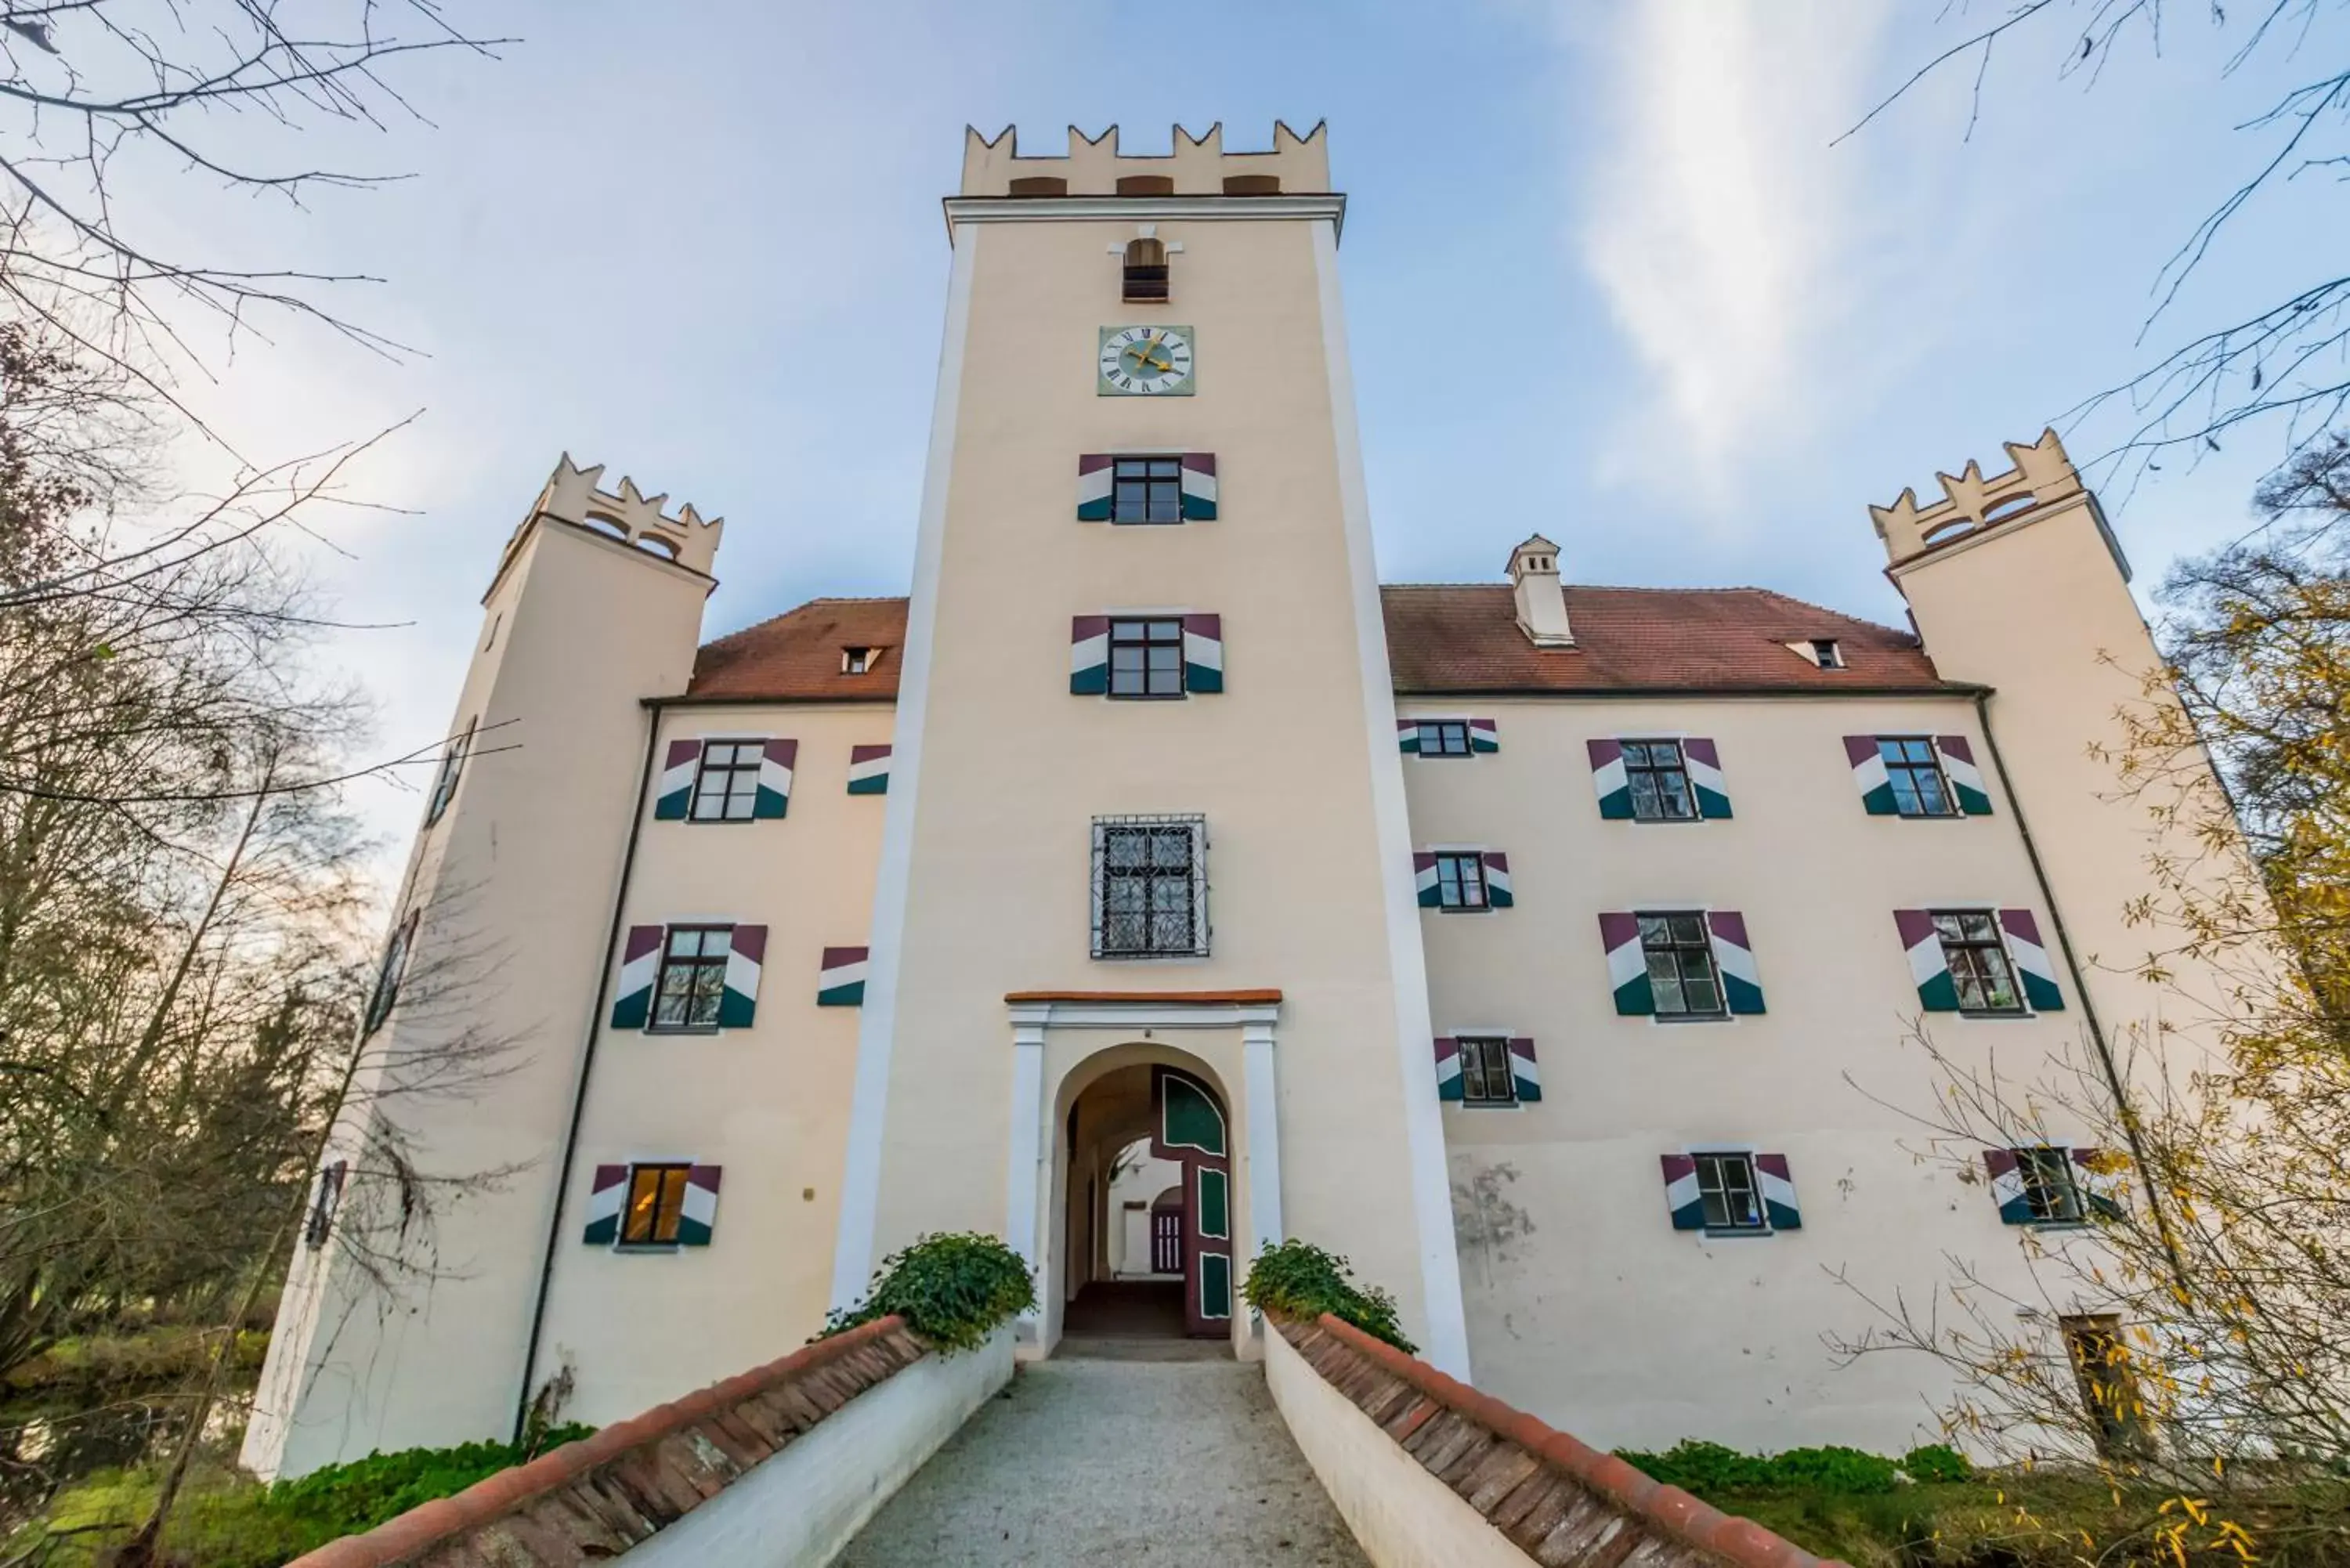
[997,986]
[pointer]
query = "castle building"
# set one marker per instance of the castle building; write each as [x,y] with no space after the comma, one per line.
[1553,952]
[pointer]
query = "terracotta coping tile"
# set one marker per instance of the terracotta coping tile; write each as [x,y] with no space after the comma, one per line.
[1666,1509]
[402,1540]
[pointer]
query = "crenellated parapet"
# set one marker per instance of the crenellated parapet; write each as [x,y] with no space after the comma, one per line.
[1197,166]
[573,495]
[2041,475]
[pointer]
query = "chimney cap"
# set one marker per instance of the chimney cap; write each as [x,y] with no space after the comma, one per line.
[1536,555]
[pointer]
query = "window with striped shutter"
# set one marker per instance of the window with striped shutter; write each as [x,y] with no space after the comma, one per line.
[1112,488]
[1731,1192]
[2003,968]
[1487,1070]
[643,952]
[653,1205]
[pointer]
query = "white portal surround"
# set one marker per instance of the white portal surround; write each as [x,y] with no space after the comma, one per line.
[1028,1167]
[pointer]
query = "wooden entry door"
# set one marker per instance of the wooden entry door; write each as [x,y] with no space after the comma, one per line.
[1188,1127]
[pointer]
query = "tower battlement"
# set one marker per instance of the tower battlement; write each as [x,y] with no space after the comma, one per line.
[572,496]
[1196,166]
[2041,475]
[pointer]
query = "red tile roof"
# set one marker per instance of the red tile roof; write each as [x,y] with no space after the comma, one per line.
[1464,637]
[1441,637]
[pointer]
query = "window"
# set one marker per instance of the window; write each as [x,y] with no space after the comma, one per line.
[1659,775]
[444,783]
[656,1203]
[1444,738]
[1726,1185]
[692,977]
[1977,960]
[856,661]
[1146,489]
[1485,1076]
[1461,880]
[1151,883]
[2110,1392]
[1916,776]
[1680,966]
[1146,270]
[1828,653]
[1146,658]
[2049,1190]
[321,1223]
[727,787]
[388,975]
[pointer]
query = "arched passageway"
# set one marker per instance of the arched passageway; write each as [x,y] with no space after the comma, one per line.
[1147,1217]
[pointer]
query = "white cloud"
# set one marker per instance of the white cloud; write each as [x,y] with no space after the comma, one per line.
[1717,219]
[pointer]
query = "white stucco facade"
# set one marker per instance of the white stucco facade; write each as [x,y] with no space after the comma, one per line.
[918,1033]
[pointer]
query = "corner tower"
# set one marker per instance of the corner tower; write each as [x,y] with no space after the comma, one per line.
[2016,582]
[1147,805]
[395,1332]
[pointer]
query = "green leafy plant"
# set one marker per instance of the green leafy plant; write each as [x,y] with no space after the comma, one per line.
[953,1290]
[1710,1470]
[1299,1280]
[1937,1462]
[365,1492]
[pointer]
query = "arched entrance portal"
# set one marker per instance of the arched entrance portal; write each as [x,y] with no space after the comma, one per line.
[1148,1219]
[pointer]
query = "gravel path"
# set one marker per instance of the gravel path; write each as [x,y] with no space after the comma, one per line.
[1082,1463]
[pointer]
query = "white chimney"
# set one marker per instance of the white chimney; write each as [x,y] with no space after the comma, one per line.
[1542,605]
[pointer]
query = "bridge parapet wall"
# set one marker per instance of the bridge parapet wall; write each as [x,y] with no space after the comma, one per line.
[1429,1473]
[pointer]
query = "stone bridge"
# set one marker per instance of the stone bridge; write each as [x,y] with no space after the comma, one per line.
[870,1449]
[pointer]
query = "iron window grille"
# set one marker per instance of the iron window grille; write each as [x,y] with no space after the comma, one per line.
[1916,774]
[1151,887]
[1978,961]
[388,976]
[1658,774]
[321,1223]
[1146,489]
[1444,738]
[693,977]
[2050,1192]
[655,1203]
[1732,1198]
[1461,881]
[1485,1076]
[726,788]
[1681,975]
[1146,658]
[444,783]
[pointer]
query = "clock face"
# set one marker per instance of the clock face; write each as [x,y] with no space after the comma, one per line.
[1145,362]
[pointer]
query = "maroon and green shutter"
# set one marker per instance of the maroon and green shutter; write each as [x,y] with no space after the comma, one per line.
[632,998]
[1097,485]
[673,796]
[699,1216]
[1525,1073]
[1627,963]
[608,1194]
[840,978]
[1089,655]
[1204,653]
[869,769]
[1198,481]
[746,955]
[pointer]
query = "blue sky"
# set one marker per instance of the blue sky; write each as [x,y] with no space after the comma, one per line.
[1607,276]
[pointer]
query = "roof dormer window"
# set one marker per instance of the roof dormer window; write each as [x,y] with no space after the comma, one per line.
[858,661]
[1828,653]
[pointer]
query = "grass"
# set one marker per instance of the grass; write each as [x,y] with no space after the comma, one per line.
[227,1520]
[2037,1519]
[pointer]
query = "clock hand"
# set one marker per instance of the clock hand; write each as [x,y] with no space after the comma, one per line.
[1143,354]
